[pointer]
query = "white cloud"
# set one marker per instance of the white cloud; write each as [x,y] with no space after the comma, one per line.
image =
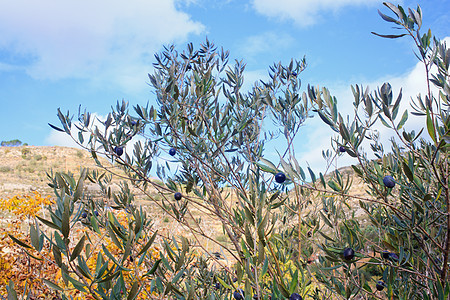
[57,138]
[107,40]
[253,76]
[266,42]
[318,134]
[9,67]
[303,12]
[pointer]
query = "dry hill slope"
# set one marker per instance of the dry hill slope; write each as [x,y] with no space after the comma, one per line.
[23,169]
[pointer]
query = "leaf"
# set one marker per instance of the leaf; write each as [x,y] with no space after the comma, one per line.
[261,253]
[326,220]
[313,176]
[249,215]
[282,289]
[265,266]
[57,255]
[78,285]
[322,180]
[325,236]
[384,122]
[224,284]
[262,226]
[386,111]
[357,170]
[33,256]
[79,188]
[59,241]
[149,243]
[153,269]
[440,290]
[408,171]
[128,245]
[269,164]
[12,294]
[387,18]
[113,237]
[403,120]
[389,36]
[52,285]
[266,168]
[294,282]
[19,242]
[248,236]
[108,254]
[49,223]
[327,120]
[287,167]
[133,291]
[94,224]
[416,17]
[34,236]
[344,131]
[65,228]
[178,276]
[430,126]
[77,250]
[80,137]
[102,269]
[109,277]
[83,268]
[332,184]
[446,138]
[56,128]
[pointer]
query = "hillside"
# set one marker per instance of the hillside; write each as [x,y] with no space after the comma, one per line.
[23,169]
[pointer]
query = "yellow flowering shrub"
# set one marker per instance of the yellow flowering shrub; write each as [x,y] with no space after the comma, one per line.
[15,264]
[27,271]
[25,205]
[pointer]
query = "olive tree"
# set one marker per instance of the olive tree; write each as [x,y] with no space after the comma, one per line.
[213,134]
[408,200]
[206,139]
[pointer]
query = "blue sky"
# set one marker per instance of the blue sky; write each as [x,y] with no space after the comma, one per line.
[66,53]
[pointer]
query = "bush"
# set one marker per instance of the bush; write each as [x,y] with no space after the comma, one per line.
[11,143]
[274,215]
[5,169]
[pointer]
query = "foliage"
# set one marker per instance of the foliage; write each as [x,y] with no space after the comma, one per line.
[11,143]
[412,218]
[216,130]
[274,223]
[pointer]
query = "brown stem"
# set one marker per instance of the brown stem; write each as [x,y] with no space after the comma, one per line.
[447,243]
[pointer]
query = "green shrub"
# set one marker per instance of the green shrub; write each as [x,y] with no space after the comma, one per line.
[79,154]
[39,157]
[5,169]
